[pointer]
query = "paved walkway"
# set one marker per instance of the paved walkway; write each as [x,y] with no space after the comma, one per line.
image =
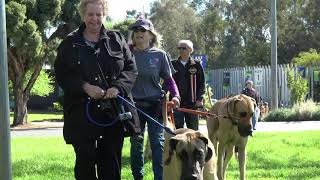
[45,129]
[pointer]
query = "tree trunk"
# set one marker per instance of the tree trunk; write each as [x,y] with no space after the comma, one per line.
[20,107]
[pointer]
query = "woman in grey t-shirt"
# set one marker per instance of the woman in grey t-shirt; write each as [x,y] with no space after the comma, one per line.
[153,64]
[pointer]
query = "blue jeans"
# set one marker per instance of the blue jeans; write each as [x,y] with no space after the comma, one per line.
[156,137]
[255,118]
[192,121]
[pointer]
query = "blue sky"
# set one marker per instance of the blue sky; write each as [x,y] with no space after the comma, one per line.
[118,8]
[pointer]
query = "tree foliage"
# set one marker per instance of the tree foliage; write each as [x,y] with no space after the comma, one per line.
[123,26]
[237,32]
[28,46]
[176,20]
[312,57]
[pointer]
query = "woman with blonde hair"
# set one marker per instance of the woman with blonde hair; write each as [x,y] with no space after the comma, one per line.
[153,64]
[93,66]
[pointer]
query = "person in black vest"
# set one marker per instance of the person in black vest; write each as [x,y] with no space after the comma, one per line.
[190,80]
[93,66]
[250,91]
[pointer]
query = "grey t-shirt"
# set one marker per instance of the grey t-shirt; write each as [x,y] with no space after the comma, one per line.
[152,64]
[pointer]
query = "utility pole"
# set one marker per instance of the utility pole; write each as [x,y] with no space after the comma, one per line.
[5,151]
[274,70]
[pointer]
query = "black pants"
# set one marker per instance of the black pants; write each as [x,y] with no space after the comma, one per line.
[101,158]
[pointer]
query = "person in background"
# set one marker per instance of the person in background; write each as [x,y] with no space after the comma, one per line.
[153,64]
[88,58]
[190,80]
[250,91]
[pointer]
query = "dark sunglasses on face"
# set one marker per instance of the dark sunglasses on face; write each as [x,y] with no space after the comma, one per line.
[182,48]
[141,29]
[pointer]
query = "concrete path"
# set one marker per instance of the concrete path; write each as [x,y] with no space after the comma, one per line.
[55,128]
[38,129]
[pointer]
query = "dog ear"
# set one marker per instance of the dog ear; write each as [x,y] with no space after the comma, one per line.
[254,102]
[172,147]
[232,105]
[209,150]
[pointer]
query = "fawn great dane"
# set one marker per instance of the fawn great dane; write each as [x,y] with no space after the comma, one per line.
[188,154]
[231,128]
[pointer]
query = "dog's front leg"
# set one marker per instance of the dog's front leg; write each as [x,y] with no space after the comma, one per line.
[228,155]
[242,162]
[221,155]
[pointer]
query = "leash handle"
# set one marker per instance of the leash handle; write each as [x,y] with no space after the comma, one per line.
[90,118]
[168,130]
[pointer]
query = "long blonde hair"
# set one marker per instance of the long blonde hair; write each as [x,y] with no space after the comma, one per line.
[155,41]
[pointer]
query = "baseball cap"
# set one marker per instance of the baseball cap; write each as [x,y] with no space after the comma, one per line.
[145,23]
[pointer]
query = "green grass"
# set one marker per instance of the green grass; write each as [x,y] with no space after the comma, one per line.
[276,156]
[41,116]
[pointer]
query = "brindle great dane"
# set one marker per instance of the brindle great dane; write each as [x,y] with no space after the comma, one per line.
[231,128]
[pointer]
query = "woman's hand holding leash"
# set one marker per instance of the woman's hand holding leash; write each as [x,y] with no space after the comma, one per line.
[111,93]
[94,92]
[176,102]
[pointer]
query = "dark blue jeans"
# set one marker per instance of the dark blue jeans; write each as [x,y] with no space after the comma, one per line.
[192,121]
[156,138]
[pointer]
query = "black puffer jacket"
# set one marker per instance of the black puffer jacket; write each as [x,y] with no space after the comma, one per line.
[77,63]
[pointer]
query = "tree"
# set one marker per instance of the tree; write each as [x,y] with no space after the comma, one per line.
[123,27]
[312,57]
[176,20]
[28,46]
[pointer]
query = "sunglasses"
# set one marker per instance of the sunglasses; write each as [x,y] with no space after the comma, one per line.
[141,29]
[182,48]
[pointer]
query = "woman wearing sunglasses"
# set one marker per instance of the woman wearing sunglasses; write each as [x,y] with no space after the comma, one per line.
[191,84]
[153,64]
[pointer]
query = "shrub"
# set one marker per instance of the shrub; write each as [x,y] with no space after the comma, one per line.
[307,111]
[316,116]
[298,86]
[57,106]
[281,114]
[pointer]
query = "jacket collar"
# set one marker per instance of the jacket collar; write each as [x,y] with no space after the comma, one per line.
[191,60]
[103,31]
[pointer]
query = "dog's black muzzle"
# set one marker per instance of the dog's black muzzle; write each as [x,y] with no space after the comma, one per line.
[245,130]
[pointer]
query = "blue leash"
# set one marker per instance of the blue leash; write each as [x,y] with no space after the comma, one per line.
[95,121]
[167,129]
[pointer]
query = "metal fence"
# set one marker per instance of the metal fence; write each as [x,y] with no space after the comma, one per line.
[225,82]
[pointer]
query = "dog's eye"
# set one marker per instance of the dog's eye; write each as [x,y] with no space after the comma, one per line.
[243,114]
[198,154]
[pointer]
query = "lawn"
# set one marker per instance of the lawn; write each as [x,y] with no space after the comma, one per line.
[36,116]
[280,155]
